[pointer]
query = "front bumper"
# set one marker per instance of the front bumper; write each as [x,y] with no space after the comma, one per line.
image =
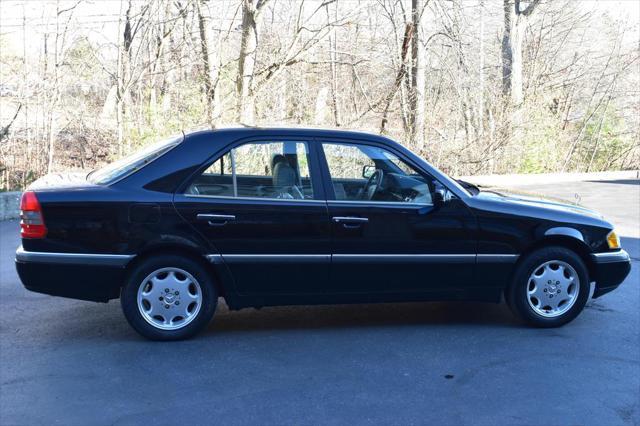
[95,277]
[610,270]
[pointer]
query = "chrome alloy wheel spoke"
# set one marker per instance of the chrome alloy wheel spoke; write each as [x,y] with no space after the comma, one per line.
[169,298]
[553,288]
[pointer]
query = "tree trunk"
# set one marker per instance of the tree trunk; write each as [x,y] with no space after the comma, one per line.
[515,25]
[333,48]
[210,73]
[481,77]
[406,41]
[123,82]
[321,103]
[246,63]
[418,77]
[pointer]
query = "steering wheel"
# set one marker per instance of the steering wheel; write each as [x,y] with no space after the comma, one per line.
[290,192]
[372,185]
[296,193]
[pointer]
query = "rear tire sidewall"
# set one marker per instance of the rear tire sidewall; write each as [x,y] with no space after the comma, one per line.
[129,294]
[517,296]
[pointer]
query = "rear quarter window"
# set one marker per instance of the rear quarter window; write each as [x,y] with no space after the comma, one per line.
[132,163]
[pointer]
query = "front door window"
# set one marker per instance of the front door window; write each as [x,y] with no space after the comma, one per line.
[372,174]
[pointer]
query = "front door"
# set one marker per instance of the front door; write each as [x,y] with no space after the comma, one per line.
[259,206]
[388,235]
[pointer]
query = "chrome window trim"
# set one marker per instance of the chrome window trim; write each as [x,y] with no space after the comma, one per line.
[611,257]
[379,203]
[227,197]
[119,260]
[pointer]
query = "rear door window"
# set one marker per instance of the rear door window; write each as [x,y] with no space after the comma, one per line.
[278,170]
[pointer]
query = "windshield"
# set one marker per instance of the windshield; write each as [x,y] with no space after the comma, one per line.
[132,163]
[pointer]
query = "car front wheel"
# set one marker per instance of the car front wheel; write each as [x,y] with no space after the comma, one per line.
[168,297]
[550,287]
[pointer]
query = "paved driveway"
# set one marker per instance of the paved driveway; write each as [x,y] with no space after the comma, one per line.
[70,362]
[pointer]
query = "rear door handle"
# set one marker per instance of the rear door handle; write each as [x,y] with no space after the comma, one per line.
[350,221]
[216,219]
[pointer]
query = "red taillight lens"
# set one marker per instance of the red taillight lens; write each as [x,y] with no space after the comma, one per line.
[31,220]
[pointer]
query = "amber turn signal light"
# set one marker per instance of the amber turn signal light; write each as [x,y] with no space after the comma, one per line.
[613,240]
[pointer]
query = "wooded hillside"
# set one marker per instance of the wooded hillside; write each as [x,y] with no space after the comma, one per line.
[474,86]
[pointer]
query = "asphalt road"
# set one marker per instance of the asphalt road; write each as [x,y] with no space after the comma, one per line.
[78,363]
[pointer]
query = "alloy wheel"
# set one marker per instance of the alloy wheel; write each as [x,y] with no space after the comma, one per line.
[552,288]
[169,298]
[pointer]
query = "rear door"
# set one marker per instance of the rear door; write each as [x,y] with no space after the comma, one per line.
[388,234]
[260,207]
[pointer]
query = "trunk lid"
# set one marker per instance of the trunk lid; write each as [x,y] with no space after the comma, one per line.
[55,181]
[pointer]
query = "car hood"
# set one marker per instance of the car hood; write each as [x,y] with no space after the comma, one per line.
[522,198]
[55,181]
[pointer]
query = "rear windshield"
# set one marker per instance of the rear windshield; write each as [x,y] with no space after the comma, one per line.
[132,163]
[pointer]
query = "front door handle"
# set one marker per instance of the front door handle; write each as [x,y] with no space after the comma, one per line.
[216,219]
[350,221]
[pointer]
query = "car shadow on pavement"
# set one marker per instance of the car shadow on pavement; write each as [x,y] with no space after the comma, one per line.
[440,314]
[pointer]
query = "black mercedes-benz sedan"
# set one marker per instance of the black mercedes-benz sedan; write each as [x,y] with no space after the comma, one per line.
[267,217]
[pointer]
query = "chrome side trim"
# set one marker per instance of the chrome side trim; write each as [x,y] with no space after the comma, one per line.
[404,258]
[214,258]
[611,257]
[365,257]
[265,258]
[497,258]
[120,260]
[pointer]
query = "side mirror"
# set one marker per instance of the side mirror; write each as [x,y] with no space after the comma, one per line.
[439,197]
[368,171]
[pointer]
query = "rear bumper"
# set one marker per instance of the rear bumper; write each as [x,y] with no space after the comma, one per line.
[611,268]
[95,277]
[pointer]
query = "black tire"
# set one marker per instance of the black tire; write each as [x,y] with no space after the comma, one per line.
[517,294]
[129,294]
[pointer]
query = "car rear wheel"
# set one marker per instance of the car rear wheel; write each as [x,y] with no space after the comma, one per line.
[168,297]
[550,287]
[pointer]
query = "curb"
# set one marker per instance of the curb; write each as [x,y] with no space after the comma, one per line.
[549,178]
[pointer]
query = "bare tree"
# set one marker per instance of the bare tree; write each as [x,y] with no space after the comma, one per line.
[515,25]
[60,44]
[210,65]
[418,75]
[555,90]
[251,14]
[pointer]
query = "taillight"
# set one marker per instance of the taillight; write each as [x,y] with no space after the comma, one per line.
[31,220]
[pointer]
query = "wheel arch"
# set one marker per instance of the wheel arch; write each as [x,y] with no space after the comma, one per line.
[184,251]
[568,240]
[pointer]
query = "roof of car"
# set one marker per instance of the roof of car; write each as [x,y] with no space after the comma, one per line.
[246,131]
